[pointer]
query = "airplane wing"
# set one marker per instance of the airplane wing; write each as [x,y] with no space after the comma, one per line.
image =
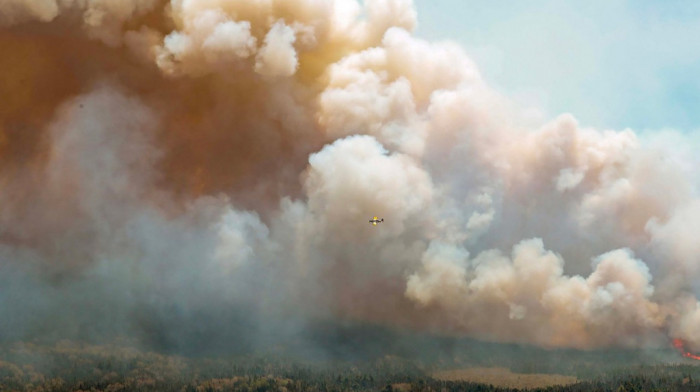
[374,223]
[375,218]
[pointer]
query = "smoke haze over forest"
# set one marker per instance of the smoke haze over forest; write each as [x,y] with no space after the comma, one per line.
[187,173]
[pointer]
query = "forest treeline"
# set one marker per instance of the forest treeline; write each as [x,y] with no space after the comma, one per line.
[68,366]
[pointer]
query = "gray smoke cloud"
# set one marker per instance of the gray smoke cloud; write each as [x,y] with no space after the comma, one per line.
[170,170]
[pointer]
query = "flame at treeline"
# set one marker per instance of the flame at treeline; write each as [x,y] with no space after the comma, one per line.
[680,346]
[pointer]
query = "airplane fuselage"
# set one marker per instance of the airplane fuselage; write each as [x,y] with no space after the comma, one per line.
[375,221]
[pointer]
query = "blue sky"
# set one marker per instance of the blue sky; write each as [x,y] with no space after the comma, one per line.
[613,64]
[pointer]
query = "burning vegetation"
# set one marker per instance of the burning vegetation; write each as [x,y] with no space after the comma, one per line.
[680,346]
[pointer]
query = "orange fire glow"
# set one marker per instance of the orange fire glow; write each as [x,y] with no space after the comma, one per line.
[678,344]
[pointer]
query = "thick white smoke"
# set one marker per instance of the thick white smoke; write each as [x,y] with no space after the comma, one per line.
[166,162]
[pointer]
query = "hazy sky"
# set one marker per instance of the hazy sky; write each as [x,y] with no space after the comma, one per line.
[610,63]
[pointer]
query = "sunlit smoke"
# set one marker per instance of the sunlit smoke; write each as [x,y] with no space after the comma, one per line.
[187,171]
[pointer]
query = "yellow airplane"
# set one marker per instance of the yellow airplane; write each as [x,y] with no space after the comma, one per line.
[375,221]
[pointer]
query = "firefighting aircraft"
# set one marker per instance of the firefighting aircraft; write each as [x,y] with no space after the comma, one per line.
[374,221]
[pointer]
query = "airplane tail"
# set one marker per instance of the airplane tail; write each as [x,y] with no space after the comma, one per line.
[382,219]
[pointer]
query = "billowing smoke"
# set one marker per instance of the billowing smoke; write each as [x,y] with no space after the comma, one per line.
[206,170]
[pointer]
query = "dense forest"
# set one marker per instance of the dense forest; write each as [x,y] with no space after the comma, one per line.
[69,366]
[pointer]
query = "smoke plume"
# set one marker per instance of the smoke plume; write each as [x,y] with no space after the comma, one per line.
[205,170]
